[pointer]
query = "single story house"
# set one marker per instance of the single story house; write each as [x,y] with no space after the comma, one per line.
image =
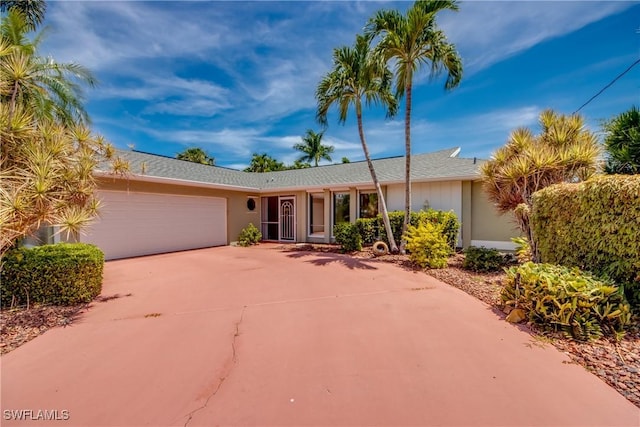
[168,205]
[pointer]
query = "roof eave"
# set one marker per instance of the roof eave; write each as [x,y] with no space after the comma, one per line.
[175,181]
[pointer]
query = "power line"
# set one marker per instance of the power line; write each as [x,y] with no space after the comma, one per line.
[608,86]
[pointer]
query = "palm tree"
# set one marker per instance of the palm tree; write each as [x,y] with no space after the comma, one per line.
[411,41]
[313,149]
[47,155]
[33,10]
[565,151]
[196,155]
[264,163]
[357,75]
[45,87]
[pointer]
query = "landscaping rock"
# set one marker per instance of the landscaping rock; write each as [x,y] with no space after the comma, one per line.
[517,315]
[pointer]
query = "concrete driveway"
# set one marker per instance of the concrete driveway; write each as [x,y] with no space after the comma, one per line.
[258,336]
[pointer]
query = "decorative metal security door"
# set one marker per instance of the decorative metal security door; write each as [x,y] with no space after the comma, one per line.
[287,219]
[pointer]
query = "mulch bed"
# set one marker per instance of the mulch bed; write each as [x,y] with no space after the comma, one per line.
[616,363]
[21,325]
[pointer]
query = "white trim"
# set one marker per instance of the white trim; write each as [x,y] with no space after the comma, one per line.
[494,244]
[308,219]
[455,152]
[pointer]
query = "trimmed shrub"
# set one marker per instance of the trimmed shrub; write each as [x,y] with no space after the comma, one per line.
[567,300]
[593,225]
[427,245]
[62,274]
[368,228]
[396,218]
[250,235]
[347,236]
[447,220]
[482,260]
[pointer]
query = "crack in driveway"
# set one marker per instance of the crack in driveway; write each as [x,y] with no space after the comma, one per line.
[234,360]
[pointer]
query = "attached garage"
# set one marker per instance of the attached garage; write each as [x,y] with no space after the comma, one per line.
[135,223]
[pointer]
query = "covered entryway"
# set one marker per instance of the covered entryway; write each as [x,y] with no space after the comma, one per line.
[134,224]
[279,218]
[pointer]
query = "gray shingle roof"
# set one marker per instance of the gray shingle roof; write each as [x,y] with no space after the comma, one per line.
[435,166]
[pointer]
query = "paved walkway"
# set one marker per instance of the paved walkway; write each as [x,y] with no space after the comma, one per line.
[257,336]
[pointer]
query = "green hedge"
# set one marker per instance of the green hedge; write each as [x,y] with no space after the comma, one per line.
[593,225]
[347,236]
[62,274]
[370,229]
[566,300]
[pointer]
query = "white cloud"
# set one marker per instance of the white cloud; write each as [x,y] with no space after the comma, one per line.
[237,76]
[487,32]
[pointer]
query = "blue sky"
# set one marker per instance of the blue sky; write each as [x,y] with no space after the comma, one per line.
[239,77]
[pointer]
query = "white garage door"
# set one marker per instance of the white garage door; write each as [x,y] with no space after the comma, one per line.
[133,224]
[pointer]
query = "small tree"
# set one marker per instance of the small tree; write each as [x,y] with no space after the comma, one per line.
[622,143]
[564,151]
[196,155]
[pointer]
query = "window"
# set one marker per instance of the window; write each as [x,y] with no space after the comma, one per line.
[316,214]
[368,205]
[341,208]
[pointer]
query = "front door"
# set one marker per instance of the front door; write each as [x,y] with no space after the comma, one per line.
[288,219]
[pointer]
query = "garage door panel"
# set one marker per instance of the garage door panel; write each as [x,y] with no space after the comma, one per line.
[134,224]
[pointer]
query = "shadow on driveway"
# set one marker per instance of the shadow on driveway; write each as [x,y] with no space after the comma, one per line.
[322,259]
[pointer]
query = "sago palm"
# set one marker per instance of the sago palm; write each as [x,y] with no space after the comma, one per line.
[356,77]
[312,148]
[411,41]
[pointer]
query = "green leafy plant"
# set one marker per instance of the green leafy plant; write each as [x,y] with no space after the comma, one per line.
[427,245]
[593,225]
[482,259]
[368,228]
[568,300]
[63,274]
[347,236]
[250,235]
[523,249]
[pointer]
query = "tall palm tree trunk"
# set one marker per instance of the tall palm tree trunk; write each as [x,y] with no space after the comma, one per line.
[393,247]
[407,165]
